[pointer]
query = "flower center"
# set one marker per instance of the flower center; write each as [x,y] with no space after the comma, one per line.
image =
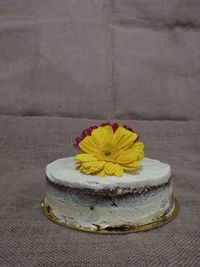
[107,153]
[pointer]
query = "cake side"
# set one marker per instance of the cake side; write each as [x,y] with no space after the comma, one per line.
[109,204]
[92,210]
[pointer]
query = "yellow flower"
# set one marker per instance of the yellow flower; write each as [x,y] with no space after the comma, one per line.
[106,153]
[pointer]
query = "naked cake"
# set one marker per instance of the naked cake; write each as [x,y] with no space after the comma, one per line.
[109,186]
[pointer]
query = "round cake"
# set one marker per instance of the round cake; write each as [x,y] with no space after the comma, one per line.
[109,186]
[91,202]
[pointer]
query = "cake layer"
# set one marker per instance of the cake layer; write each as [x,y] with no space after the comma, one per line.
[87,210]
[153,173]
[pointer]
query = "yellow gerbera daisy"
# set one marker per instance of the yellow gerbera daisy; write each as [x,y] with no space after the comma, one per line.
[106,153]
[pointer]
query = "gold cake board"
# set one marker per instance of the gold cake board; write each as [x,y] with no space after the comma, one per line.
[46,209]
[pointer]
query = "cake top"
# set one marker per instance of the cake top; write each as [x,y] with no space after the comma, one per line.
[110,156]
[151,173]
[108,150]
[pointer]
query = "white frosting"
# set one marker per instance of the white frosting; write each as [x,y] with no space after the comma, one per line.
[152,173]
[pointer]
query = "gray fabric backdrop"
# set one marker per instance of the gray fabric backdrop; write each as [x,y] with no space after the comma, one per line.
[69,64]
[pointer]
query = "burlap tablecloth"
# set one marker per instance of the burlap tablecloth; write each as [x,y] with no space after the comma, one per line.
[66,65]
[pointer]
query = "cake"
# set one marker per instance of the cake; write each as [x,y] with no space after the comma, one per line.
[129,193]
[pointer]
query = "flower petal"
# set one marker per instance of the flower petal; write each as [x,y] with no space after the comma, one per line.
[127,156]
[118,170]
[110,168]
[101,173]
[131,166]
[92,167]
[138,145]
[140,155]
[123,138]
[88,145]
[85,157]
[96,166]
[102,135]
[98,136]
[108,134]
